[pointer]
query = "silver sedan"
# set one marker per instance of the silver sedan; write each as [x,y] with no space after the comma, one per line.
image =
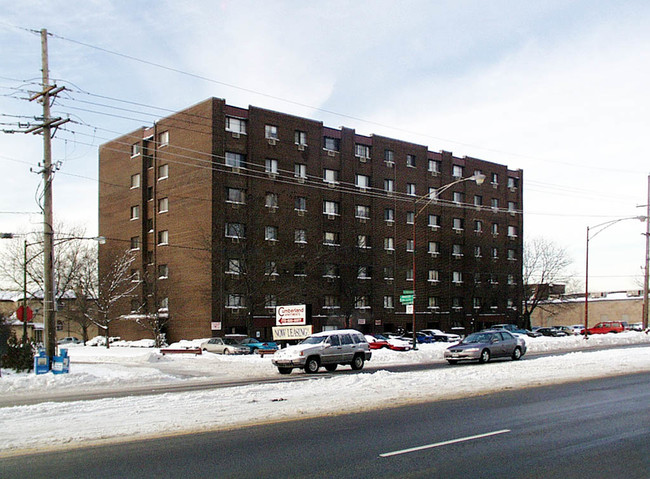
[224,346]
[486,345]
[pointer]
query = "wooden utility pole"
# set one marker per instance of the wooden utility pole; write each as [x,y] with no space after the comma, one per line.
[646,279]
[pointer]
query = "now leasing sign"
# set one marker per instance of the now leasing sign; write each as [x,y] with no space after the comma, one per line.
[287,333]
[294,315]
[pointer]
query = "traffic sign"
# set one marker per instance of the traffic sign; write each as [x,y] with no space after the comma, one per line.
[406,299]
[408,291]
[21,310]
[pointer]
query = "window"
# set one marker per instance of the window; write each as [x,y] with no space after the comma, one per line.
[478,200]
[389,243]
[136,149]
[236,125]
[234,301]
[388,302]
[409,274]
[495,253]
[458,197]
[135,242]
[270,268]
[513,182]
[163,171]
[363,212]
[512,231]
[234,266]
[149,225]
[135,180]
[163,271]
[512,256]
[494,179]
[363,272]
[135,305]
[163,304]
[362,181]
[300,236]
[271,132]
[476,303]
[409,245]
[271,166]
[477,252]
[330,176]
[457,171]
[300,268]
[457,277]
[410,161]
[495,203]
[331,207]
[389,185]
[331,238]
[511,279]
[271,233]
[410,189]
[456,303]
[362,151]
[433,302]
[270,301]
[434,248]
[457,250]
[331,144]
[235,230]
[331,302]
[512,207]
[135,275]
[410,217]
[388,272]
[235,195]
[300,138]
[434,276]
[363,241]
[478,226]
[135,212]
[495,229]
[300,170]
[389,214]
[434,166]
[389,156]
[271,200]
[361,302]
[163,205]
[163,237]
[234,160]
[433,193]
[149,193]
[163,138]
[459,224]
[331,270]
[434,221]
[301,203]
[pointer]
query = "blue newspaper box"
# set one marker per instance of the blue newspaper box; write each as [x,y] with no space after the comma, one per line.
[61,363]
[41,363]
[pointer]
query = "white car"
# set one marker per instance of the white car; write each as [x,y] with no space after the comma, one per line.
[441,335]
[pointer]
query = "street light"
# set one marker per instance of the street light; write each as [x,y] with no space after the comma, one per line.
[430,197]
[598,229]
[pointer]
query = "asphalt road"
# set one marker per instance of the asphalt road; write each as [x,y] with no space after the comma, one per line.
[591,429]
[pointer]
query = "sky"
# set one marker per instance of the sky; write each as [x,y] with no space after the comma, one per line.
[556,88]
[93,369]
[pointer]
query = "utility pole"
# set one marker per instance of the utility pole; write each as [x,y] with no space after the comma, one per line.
[646,278]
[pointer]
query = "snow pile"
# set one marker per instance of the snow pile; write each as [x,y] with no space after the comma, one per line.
[59,424]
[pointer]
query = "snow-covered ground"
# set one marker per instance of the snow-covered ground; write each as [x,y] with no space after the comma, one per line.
[63,424]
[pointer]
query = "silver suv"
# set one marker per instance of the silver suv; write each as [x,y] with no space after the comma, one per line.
[329,349]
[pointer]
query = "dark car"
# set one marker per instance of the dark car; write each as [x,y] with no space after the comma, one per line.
[513,328]
[486,345]
[551,332]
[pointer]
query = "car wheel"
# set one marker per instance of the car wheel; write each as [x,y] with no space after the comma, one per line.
[357,362]
[331,367]
[226,351]
[452,361]
[516,354]
[485,356]
[285,370]
[312,365]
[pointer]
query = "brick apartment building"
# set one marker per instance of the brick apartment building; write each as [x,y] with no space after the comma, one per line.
[233,211]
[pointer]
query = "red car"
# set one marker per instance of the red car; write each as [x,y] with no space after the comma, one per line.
[607,327]
[376,341]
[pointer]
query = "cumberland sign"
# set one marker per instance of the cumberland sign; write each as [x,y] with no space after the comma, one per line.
[294,315]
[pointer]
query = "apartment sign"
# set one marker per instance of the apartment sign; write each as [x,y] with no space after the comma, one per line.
[293,315]
[289,333]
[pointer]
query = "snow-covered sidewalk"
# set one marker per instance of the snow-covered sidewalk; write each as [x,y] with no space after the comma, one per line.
[122,368]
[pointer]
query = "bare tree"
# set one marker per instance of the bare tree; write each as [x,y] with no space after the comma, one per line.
[116,284]
[545,264]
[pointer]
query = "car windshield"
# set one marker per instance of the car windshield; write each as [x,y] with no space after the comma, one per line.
[230,341]
[477,338]
[380,337]
[314,340]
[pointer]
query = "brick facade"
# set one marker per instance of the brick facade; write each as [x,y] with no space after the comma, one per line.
[232,209]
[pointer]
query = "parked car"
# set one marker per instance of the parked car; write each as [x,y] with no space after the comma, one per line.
[441,335]
[607,327]
[549,331]
[256,345]
[376,341]
[486,345]
[69,340]
[569,331]
[636,327]
[513,328]
[399,344]
[329,349]
[578,328]
[224,346]
[420,338]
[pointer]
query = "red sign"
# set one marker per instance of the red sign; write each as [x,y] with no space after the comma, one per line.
[19,313]
[294,315]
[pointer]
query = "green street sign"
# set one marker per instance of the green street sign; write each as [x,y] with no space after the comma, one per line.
[406,299]
[408,291]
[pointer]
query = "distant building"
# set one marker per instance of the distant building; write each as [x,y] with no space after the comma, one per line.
[606,306]
[234,211]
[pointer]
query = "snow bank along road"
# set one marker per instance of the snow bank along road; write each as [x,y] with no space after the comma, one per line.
[61,425]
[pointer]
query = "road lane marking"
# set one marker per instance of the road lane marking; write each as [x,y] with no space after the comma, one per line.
[444,443]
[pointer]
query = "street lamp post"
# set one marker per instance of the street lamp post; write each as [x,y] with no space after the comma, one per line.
[430,197]
[598,229]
